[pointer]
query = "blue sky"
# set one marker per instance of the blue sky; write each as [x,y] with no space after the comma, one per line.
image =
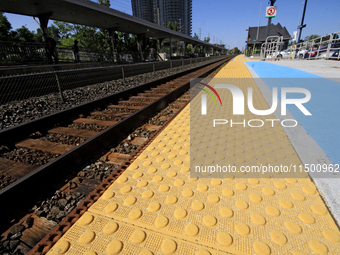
[228,20]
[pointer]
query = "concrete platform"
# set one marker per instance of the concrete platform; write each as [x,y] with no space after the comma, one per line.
[316,139]
[323,104]
[324,68]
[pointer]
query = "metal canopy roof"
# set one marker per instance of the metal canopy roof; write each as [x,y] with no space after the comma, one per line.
[88,13]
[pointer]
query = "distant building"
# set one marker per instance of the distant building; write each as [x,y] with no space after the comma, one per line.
[163,11]
[143,9]
[275,30]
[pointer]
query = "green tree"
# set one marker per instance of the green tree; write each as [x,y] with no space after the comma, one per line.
[126,42]
[206,39]
[65,29]
[22,34]
[104,2]
[172,25]
[311,37]
[104,36]
[88,37]
[5,27]
[53,32]
[195,36]
[189,48]
[236,50]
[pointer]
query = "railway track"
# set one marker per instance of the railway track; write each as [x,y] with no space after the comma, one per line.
[110,129]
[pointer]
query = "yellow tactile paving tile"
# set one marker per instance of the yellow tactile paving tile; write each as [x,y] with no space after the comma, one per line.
[239,145]
[157,193]
[241,58]
[277,203]
[94,234]
[237,215]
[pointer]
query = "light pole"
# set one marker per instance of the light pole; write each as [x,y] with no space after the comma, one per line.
[258,27]
[303,18]
[301,12]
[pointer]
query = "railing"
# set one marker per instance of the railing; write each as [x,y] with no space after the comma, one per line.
[25,53]
[12,52]
[18,87]
[324,47]
[65,54]
[271,48]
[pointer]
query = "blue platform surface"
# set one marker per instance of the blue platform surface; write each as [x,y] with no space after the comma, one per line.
[324,124]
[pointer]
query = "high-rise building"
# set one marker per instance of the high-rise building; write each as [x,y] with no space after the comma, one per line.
[162,12]
[143,9]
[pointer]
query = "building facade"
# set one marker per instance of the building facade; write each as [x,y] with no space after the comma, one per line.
[257,35]
[162,12]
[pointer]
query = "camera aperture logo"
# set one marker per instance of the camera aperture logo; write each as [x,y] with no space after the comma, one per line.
[204,97]
[238,105]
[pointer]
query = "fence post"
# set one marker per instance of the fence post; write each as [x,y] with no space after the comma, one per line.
[60,91]
[329,46]
[123,75]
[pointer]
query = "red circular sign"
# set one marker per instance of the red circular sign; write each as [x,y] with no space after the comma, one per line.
[271,11]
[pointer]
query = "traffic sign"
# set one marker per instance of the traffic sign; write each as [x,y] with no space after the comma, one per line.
[294,35]
[271,12]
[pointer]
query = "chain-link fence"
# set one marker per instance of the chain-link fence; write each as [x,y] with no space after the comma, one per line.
[24,86]
[28,53]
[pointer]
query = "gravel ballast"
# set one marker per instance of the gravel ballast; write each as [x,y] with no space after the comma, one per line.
[18,112]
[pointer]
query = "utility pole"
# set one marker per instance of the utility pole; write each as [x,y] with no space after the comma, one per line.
[258,27]
[302,4]
[200,33]
[303,18]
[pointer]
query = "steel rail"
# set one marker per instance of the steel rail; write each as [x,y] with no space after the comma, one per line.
[20,195]
[60,229]
[14,134]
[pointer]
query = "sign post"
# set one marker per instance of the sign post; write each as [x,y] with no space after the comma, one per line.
[270,11]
